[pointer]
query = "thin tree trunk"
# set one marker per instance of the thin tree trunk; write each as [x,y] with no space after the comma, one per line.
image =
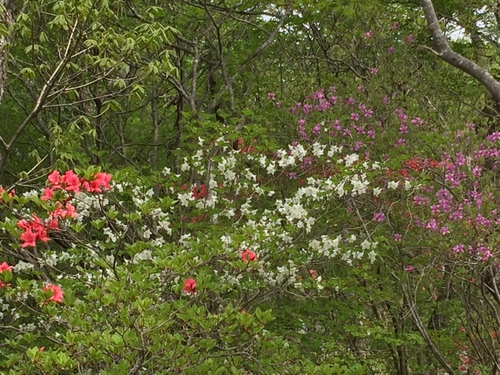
[154,121]
[6,20]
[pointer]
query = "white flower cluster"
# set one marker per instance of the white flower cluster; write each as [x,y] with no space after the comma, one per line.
[22,266]
[284,275]
[309,192]
[85,203]
[318,149]
[52,258]
[359,184]
[209,202]
[350,255]
[326,247]
[185,198]
[146,254]
[227,167]
[198,158]
[291,209]
[350,159]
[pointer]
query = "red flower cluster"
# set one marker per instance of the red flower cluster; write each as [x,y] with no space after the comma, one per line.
[57,293]
[35,230]
[199,191]
[190,286]
[64,212]
[4,267]
[71,183]
[248,255]
[240,145]
[417,164]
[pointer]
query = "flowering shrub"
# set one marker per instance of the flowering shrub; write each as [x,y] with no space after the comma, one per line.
[243,259]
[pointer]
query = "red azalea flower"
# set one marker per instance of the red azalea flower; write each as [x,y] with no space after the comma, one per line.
[54,179]
[71,181]
[199,191]
[190,286]
[248,255]
[414,163]
[39,228]
[48,193]
[34,230]
[28,238]
[57,295]
[100,183]
[53,224]
[23,224]
[64,213]
[5,267]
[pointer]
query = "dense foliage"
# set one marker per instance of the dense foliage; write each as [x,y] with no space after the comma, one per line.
[247,188]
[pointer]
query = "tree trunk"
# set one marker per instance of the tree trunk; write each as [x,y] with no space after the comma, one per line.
[6,20]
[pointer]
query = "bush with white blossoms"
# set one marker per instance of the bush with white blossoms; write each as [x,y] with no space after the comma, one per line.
[240,259]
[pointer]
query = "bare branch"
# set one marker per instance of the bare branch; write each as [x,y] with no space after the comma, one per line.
[423,331]
[41,98]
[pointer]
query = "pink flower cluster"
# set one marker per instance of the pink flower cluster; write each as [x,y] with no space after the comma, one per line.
[35,229]
[71,183]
